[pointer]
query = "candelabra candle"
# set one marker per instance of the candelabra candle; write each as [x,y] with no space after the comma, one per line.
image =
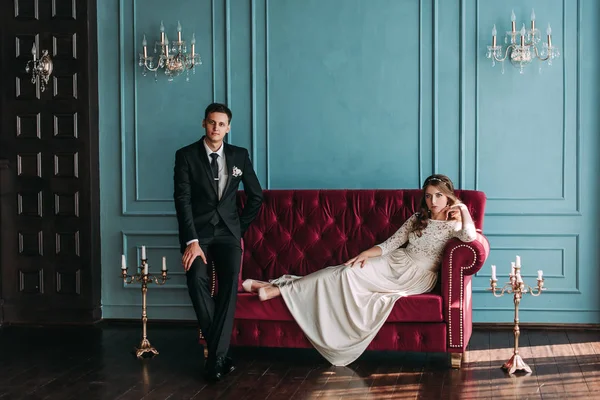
[144,277]
[517,288]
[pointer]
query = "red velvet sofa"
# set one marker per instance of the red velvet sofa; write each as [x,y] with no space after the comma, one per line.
[300,231]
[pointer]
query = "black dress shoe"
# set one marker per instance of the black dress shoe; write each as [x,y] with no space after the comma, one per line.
[217,369]
[227,365]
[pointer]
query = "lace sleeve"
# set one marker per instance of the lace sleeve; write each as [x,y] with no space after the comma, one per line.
[398,238]
[465,232]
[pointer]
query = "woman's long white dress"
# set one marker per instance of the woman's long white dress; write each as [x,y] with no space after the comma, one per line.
[341,308]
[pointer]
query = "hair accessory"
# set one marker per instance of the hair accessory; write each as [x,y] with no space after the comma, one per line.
[432,179]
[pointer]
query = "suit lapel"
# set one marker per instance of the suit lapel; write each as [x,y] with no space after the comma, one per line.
[230,164]
[205,164]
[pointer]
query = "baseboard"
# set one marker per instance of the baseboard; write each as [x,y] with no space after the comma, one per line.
[534,325]
[19,316]
[153,322]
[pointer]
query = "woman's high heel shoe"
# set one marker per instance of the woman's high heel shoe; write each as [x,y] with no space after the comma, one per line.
[247,285]
[262,294]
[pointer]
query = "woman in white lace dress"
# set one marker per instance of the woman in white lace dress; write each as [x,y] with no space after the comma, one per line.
[341,308]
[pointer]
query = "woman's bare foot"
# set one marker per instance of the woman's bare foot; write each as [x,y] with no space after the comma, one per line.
[268,292]
[252,286]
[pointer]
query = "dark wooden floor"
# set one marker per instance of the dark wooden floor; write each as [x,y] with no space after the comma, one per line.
[96,363]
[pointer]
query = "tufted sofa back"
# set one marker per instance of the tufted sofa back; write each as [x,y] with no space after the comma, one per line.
[301,231]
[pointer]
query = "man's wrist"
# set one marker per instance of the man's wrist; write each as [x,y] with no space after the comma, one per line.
[191,241]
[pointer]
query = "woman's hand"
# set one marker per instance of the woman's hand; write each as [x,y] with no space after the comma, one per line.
[359,259]
[455,208]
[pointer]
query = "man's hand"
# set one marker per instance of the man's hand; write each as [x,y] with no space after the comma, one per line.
[192,251]
[360,259]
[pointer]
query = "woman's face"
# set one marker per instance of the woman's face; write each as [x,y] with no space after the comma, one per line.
[435,199]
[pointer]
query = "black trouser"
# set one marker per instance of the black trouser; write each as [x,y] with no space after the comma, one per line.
[215,316]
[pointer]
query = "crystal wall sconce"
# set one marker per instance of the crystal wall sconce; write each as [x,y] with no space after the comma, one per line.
[172,56]
[39,68]
[524,51]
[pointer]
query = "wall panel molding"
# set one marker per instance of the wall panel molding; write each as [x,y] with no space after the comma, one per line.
[133,203]
[530,246]
[568,203]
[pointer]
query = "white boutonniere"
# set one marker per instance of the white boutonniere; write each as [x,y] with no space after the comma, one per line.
[236,172]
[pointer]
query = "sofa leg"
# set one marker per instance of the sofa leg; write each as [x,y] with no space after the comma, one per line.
[456,360]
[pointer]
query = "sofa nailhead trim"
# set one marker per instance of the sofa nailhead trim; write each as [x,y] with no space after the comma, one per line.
[460,344]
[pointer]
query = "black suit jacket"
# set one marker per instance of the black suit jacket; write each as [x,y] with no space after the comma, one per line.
[196,199]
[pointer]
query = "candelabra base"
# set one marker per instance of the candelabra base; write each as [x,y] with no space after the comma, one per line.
[516,363]
[143,348]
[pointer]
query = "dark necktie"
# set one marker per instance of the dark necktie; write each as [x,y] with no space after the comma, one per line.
[215,172]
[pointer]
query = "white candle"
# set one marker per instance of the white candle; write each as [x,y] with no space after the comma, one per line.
[512,268]
[540,274]
[123,262]
[518,263]
[494,32]
[193,42]
[494,273]
[513,20]
[145,46]
[143,252]
[164,264]
[146,269]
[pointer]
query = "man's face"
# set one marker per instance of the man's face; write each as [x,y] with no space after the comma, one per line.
[216,126]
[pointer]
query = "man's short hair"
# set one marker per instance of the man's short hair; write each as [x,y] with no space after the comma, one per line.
[218,107]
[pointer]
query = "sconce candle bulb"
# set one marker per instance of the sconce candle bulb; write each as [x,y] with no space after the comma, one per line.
[145,46]
[513,20]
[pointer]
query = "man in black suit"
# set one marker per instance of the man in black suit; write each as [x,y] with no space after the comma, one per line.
[207,176]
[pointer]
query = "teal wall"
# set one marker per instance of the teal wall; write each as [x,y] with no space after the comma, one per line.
[363,94]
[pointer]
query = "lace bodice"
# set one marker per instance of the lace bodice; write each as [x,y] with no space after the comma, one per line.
[430,244]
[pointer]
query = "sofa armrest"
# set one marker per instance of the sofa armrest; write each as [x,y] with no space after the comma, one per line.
[460,261]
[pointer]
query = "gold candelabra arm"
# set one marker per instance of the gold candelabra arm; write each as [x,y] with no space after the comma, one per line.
[507,288]
[159,280]
[535,292]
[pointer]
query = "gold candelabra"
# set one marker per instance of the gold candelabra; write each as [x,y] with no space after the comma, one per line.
[144,277]
[517,287]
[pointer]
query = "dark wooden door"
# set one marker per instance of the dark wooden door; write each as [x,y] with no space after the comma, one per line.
[50,245]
